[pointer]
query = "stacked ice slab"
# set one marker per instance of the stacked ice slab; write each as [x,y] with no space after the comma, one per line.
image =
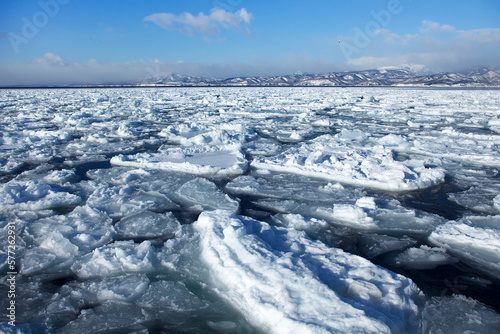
[287,283]
[350,159]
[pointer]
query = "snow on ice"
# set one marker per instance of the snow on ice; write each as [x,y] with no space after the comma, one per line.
[207,161]
[327,158]
[476,240]
[262,271]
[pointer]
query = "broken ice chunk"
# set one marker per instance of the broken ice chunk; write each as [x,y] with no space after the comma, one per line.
[192,135]
[496,203]
[329,158]
[474,240]
[458,314]
[206,194]
[372,214]
[262,271]
[119,201]
[170,295]
[374,245]
[145,181]
[59,245]
[148,225]
[298,222]
[34,195]
[118,258]
[480,199]
[127,288]
[110,317]
[61,176]
[424,257]
[220,161]
[263,147]
[37,260]
[10,166]
[85,228]
[291,187]
[77,295]
[347,135]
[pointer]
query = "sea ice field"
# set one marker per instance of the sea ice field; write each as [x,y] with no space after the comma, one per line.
[250,210]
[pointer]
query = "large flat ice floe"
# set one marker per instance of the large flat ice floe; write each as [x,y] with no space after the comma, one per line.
[200,194]
[285,282]
[206,161]
[475,240]
[329,158]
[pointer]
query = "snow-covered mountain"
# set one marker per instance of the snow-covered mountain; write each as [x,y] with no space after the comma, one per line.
[378,77]
[472,78]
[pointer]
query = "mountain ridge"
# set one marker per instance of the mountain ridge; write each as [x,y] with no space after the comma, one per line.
[382,77]
[364,78]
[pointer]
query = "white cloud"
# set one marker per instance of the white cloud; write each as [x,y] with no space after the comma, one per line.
[481,35]
[244,15]
[433,27]
[50,59]
[378,62]
[450,58]
[211,24]
[391,37]
[427,29]
[439,47]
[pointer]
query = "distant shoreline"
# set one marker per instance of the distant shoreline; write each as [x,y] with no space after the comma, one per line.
[473,79]
[436,87]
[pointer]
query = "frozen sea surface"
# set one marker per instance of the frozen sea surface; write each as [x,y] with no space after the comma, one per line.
[264,210]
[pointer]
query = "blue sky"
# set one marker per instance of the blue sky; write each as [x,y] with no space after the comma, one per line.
[94,41]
